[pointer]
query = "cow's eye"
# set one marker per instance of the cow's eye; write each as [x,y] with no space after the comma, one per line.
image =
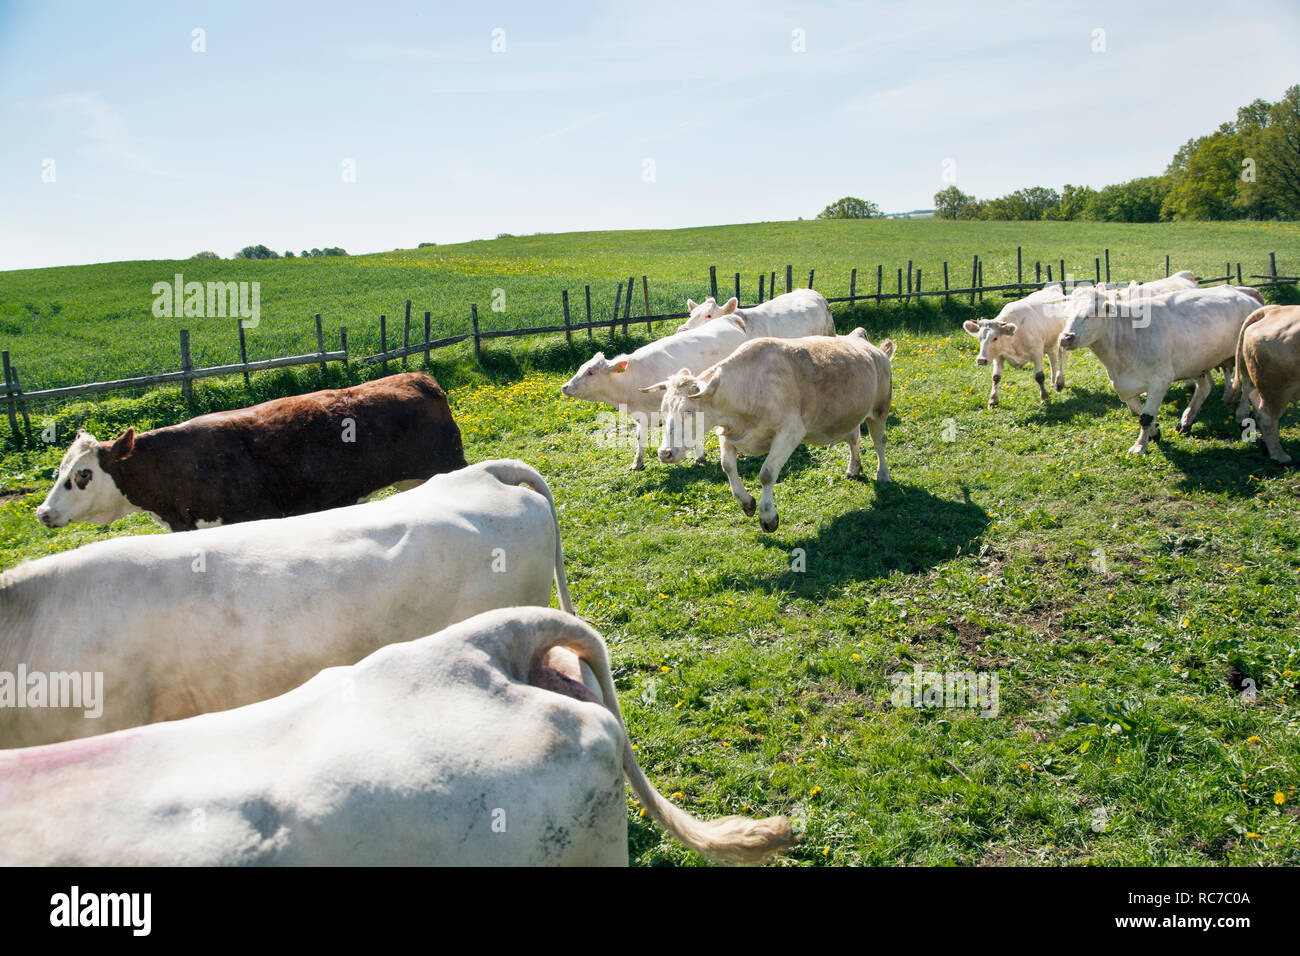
[83,478]
[68,484]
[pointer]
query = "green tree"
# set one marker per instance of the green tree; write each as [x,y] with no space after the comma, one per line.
[1074,200]
[1203,177]
[949,203]
[256,252]
[1138,200]
[1271,140]
[850,207]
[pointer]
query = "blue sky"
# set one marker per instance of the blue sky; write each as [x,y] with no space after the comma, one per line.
[159,151]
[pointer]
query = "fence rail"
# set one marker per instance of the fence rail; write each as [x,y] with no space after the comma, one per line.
[908,284]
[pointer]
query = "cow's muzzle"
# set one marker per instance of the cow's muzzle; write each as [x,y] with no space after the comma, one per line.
[1068,340]
[981,361]
[46,517]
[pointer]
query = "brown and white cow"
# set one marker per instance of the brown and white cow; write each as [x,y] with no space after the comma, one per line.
[288,456]
[772,395]
[1268,368]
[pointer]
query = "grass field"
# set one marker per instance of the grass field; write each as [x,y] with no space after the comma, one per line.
[86,323]
[1123,602]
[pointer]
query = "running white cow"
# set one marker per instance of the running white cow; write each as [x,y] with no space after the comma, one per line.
[619,381]
[461,748]
[787,316]
[772,395]
[1148,343]
[1028,329]
[200,621]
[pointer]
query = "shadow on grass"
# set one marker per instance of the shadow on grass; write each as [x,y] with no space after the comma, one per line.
[1218,467]
[1078,402]
[908,529]
[677,478]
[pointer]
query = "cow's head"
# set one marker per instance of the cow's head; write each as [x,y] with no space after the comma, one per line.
[993,335]
[679,410]
[706,310]
[1089,310]
[83,490]
[593,379]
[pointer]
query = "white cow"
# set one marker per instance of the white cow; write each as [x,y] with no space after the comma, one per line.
[619,381]
[787,316]
[772,395]
[461,748]
[1028,329]
[199,621]
[1147,344]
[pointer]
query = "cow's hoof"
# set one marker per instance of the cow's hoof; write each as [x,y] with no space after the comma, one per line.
[749,507]
[637,466]
[769,528]
[851,474]
[993,404]
[1060,386]
[1137,449]
[1184,429]
[882,476]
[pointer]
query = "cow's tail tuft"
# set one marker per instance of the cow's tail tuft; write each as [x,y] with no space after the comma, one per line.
[511,471]
[731,839]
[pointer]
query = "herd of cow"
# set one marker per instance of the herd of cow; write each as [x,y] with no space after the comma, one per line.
[301,675]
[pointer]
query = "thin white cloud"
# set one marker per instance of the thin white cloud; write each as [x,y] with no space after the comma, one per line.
[106,133]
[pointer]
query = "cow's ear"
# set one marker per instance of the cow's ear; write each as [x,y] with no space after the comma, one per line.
[730,306]
[708,385]
[690,305]
[737,321]
[656,387]
[1009,328]
[620,366]
[124,445]
[971,326]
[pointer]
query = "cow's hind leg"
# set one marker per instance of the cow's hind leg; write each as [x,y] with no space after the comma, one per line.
[727,452]
[1268,431]
[876,428]
[783,446]
[855,458]
[1202,392]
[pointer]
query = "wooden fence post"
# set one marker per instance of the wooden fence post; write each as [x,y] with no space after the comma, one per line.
[18,400]
[946,296]
[627,306]
[1272,265]
[771,285]
[789,278]
[645,297]
[568,332]
[713,282]
[1096,262]
[343,343]
[1038,273]
[243,352]
[761,279]
[853,288]
[320,341]
[974,276]
[618,302]
[1107,266]
[427,318]
[383,340]
[810,277]
[10,401]
[918,283]
[1020,272]
[908,300]
[737,292]
[880,278]
[1062,278]
[187,386]
[406,334]
[900,284]
[588,291]
[1049,274]
[1166,265]
[981,285]
[478,345]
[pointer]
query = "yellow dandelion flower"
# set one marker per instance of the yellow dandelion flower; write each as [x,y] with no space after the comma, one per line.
[816,790]
[1279,798]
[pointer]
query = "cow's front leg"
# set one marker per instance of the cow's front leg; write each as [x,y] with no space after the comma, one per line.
[1040,378]
[727,452]
[876,427]
[1202,392]
[1057,358]
[1147,419]
[855,458]
[997,378]
[783,446]
[642,437]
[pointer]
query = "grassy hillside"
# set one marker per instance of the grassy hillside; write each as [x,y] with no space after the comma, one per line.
[81,323]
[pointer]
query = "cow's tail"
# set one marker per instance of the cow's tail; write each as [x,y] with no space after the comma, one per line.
[733,839]
[1239,375]
[511,471]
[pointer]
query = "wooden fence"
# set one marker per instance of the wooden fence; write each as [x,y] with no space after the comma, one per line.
[908,284]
